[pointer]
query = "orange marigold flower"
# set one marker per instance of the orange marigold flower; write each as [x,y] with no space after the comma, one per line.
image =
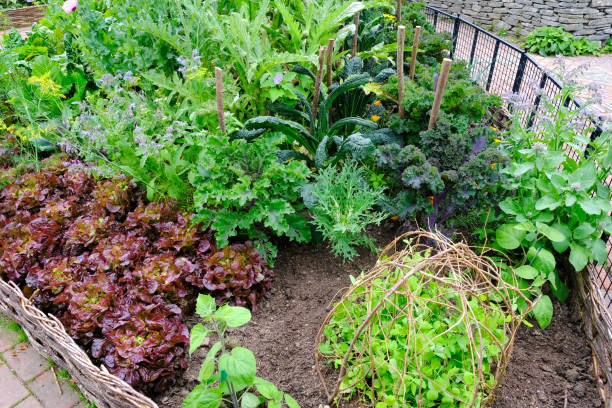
[377,103]
[395,218]
[375,118]
[493,165]
[432,199]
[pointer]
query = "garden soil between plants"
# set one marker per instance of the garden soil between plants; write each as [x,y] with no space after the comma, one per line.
[547,366]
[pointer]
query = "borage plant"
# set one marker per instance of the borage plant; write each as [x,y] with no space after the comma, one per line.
[557,200]
[228,374]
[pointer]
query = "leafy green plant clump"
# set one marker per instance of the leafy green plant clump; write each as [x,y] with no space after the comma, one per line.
[342,206]
[551,41]
[228,374]
[413,332]
[557,201]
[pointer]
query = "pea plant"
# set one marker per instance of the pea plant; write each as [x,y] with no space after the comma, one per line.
[228,376]
[556,201]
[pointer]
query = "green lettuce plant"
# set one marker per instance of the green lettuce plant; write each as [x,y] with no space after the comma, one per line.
[228,375]
[242,188]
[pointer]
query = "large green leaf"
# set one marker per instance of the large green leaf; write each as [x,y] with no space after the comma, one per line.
[543,311]
[348,85]
[205,305]
[202,397]
[234,316]
[550,232]
[509,237]
[384,136]
[351,121]
[208,367]
[579,256]
[288,127]
[526,272]
[197,336]
[358,146]
[239,366]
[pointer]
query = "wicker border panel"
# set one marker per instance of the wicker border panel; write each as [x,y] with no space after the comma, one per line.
[49,338]
[21,17]
[598,329]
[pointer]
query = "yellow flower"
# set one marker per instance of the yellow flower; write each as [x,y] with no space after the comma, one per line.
[493,165]
[377,103]
[47,85]
[497,140]
[375,118]
[493,128]
[389,17]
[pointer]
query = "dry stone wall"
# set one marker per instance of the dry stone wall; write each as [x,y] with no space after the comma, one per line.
[591,19]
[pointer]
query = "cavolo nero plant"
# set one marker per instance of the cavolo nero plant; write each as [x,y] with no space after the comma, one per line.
[322,143]
[556,201]
[228,375]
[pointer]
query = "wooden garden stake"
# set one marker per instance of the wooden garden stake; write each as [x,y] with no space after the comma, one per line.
[317,90]
[401,35]
[330,54]
[415,48]
[435,110]
[355,34]
[399,11]
[219,88]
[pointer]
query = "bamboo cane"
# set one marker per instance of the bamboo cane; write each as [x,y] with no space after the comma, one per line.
[318,80]
[219,89]
[435,110]
[401,35]
[415,47]
[330,54]
[355,34]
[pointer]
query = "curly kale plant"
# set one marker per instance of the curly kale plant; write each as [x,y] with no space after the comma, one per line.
[449,171]
[463,98]
[241,188]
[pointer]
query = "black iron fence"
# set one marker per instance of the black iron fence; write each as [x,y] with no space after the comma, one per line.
[502,68]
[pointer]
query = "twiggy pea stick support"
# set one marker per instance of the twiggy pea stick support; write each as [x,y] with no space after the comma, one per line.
[356,33]
[435,110]
[415,48]
[219,89]
[330,54]
[401,36]
[318,80]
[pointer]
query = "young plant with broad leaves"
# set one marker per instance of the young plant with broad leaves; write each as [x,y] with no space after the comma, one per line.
[557,200]
[228,375]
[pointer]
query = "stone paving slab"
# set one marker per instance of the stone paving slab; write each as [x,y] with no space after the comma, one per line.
[27,380]
[25,361]
[599,73]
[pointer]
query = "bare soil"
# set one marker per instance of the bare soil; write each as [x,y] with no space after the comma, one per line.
[546,367]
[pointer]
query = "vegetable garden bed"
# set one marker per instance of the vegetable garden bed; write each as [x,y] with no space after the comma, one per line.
[158,163]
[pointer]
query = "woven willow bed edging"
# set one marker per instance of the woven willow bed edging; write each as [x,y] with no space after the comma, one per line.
[597,327]
[49,338]
[21,17]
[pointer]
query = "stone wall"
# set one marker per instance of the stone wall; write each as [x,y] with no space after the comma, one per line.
[591,19]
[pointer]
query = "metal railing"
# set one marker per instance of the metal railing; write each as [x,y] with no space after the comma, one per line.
[503,68]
